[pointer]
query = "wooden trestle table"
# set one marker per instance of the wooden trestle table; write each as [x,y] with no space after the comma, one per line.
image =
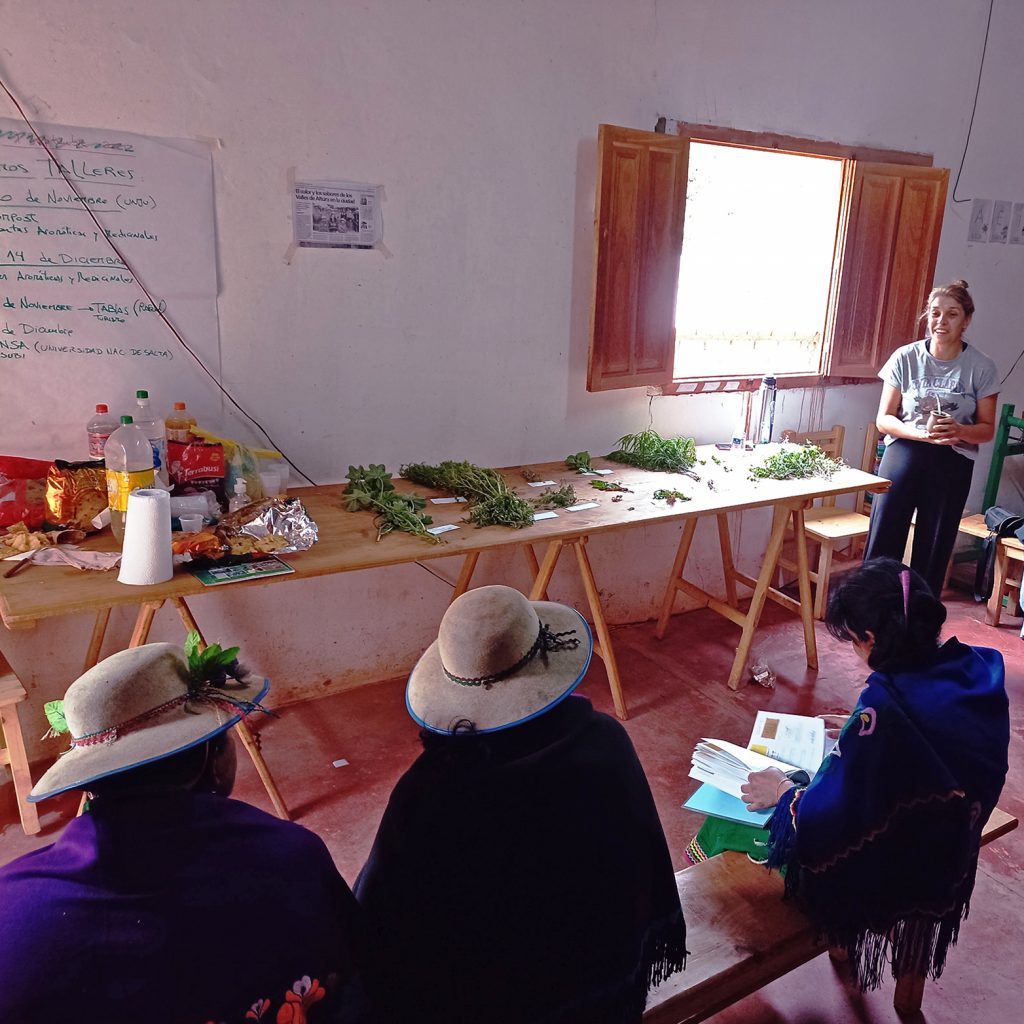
[348,542]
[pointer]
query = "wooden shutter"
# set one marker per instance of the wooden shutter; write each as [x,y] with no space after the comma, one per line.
[641,196]
[887,264]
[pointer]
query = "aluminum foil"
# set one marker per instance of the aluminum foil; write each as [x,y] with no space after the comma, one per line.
[280,517]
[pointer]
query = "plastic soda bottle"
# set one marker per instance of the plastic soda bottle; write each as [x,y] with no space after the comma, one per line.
[153,427]
[129,458]
[179,424]
[98,429]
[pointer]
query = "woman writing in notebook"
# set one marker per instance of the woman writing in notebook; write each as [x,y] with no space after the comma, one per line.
[882,846]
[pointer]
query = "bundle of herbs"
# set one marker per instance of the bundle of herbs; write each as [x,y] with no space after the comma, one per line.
[491,501]
[649,450]
[371,489]
[562,498]
[797,463]
[581,462]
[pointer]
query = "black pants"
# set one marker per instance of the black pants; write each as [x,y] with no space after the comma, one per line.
[932,480]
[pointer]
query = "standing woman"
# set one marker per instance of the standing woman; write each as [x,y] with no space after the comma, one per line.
[938,404]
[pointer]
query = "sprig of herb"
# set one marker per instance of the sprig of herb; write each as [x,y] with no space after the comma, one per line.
[670,496]
[491,501]
[609,485]
[799,464]
[581,462]
[562,498]
[211,664]
[649,450]
[371,489]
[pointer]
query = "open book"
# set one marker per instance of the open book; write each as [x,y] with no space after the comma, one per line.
[776,741]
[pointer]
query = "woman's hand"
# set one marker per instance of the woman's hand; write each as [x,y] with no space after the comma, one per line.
[944,430]
[763,789]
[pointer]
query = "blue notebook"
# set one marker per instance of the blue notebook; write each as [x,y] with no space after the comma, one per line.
[710,801]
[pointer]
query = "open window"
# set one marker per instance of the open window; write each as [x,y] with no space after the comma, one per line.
[723,255]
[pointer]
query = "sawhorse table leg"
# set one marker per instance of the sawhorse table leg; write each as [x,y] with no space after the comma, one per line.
[761,586]
[469,567]
[603,647]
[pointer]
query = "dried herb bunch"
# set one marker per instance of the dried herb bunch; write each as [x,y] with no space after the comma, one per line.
[562,498]
[371,489]
[491,501]
[649,450]
[796,463]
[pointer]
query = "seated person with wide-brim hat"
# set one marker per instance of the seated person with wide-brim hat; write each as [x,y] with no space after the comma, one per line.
[166,901]
[520,872]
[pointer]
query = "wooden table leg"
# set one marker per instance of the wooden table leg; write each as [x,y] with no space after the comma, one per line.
[728,569]
[465,574]
[17,759]
[531,561]
[909,993]
[144,622]
[804,583]
[678,567]
[994,610]
[771,556]
[604,640]
[99,631]
[243,730]
[546,570]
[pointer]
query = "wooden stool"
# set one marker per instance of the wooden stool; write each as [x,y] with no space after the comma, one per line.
[12,693]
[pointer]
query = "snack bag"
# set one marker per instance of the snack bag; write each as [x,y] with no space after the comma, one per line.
[22,491]
[76,492]
[194,467]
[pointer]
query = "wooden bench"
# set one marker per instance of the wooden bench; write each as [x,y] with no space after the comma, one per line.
[743,936]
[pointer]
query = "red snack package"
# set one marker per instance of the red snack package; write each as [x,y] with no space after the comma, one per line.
[198,466]
[22,491]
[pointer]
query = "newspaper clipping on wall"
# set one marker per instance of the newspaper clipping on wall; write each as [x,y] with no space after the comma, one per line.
[336,215]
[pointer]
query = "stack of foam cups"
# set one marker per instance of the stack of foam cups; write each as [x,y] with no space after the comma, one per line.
[146,551]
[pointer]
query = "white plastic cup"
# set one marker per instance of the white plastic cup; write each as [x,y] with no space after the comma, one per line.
[270,481]
[191,523]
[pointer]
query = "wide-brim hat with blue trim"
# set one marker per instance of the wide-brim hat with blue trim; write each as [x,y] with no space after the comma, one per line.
[142,705]
[499,660]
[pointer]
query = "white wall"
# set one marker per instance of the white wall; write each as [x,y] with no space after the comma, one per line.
[468,339]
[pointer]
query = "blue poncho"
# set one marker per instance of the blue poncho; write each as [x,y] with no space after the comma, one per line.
[882,847]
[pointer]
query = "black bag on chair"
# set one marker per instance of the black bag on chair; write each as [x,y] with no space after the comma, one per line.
[1001,523]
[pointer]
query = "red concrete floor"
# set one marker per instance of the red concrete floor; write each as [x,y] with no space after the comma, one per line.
[676,693]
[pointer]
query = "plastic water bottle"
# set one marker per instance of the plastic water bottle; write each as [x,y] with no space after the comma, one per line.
[241,496]
[739,434]
[129,458]
[153,427]
[766,418]
[179,424]
[98,429]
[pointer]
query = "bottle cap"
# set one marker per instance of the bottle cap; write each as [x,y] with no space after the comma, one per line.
[127,419]
[101,408]
[180,406]
[142,394]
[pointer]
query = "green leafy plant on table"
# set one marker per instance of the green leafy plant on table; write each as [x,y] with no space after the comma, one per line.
[800,464]
[371,489]
[671,496]
[581,462]
[491,501]
[649,450]
[609,485]
[562,498]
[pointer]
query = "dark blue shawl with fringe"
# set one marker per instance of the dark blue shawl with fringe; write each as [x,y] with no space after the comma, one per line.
[882,847]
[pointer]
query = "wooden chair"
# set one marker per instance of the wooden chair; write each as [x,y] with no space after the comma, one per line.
[13,753]
[828,525]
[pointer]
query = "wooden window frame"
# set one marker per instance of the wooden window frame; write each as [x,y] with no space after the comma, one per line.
[887,237]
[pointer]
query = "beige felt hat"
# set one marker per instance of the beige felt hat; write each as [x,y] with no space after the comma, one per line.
[499,660]
[138,706]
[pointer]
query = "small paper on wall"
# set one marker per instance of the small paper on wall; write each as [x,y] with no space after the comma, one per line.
[336,215]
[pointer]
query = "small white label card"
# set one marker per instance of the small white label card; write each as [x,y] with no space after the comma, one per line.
[604,472]
[542,483]
[544,515]
[445,501]
[581,505]
[446,528]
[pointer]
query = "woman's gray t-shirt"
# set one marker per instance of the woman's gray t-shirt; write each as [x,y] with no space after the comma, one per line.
[953,386]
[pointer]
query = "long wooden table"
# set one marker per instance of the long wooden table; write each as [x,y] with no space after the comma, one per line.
[348,543]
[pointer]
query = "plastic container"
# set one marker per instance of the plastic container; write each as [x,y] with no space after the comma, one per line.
[153,427]
[98,429]
[738,434]
[129,458]
[241,496]
[766,416]
[179,425]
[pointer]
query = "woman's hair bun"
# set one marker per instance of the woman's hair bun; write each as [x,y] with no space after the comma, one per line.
[961,283]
